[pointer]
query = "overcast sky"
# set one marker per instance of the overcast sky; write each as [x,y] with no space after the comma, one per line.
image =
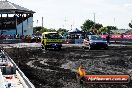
[64,13]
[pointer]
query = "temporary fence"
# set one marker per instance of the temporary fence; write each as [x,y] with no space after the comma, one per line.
[129,36]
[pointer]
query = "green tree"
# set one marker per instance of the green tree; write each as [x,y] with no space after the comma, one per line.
[62,31]
[98,26]
[110,28]
[44,30]
[51,30]
[35,29]
[88,24]
[130,25]
[103,30]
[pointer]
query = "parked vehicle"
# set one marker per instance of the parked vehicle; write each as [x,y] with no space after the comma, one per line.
[95,41]
[36,38]
[51,40]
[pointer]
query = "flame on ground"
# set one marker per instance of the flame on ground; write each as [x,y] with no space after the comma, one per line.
[81,71]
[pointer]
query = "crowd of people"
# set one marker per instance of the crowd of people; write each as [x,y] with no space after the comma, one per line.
[26,38]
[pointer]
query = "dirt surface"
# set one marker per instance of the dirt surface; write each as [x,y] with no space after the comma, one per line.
[55,69]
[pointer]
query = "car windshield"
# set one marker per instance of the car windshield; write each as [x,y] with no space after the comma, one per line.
[52,36]
[96,38]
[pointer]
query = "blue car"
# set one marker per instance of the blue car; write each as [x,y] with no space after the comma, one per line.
[95,42]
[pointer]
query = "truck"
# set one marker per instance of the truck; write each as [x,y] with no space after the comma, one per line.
[51,40]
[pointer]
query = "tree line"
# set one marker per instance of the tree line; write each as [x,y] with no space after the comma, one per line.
[43,29]
[97,28]
[87,26]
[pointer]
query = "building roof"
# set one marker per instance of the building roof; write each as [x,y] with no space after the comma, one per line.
[7,7]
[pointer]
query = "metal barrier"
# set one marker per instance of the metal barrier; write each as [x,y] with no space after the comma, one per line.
[10,41]
[24,78]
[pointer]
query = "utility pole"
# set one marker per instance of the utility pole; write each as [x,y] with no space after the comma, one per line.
[65,22]
[94,20]
[114,22]
[42,22]
[37,23]
[71,27]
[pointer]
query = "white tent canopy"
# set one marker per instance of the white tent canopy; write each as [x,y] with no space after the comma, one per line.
[74,30]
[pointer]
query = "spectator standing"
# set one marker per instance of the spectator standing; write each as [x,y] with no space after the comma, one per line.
[86,42]
[23,37]
[122,38]
[108,39]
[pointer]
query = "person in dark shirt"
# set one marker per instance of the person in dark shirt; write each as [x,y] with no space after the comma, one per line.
[108,39]
[122,38]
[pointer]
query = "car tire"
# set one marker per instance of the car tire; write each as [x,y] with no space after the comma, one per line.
[59,48]
[106,48]
[46,48]
[42,47]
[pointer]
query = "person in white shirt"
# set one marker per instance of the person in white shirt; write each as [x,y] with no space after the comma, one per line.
[86,42]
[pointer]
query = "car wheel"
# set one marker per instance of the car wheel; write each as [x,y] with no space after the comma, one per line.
[106,48]
[59,48]
[45,47]
[42,47]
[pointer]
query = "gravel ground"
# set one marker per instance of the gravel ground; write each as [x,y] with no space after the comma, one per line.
[55,69]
